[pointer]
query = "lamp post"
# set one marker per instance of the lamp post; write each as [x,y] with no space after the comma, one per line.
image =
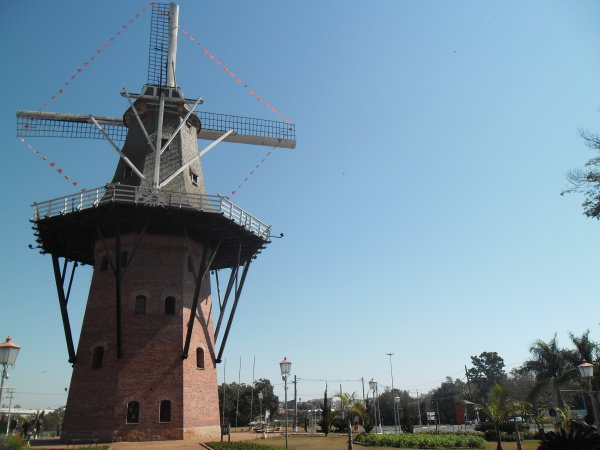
[8,357]
[586,370]
[260,397]
[392,375]
[373,386]
[286,367]
[397,410]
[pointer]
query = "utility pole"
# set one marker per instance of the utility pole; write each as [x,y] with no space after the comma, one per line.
[341,402]
[223,404]
[252,396]
[362,379]
[468,380]
[237,403]
[419,410]
[10,397]
[295,405]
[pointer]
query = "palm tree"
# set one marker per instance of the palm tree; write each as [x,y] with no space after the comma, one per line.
[585,348]
[589,351]
[351,404]
[499,409]
[551,366]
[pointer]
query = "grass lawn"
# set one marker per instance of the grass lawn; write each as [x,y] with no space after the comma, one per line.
[337,442]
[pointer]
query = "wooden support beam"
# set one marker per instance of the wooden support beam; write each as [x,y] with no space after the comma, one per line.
[202,273]
[238,292]
[190,327]
[232,277]
[70,282]
[62,301]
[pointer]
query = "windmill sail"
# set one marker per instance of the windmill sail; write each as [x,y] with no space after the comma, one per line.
[247,130]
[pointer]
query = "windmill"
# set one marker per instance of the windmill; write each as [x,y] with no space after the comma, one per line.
[146,360]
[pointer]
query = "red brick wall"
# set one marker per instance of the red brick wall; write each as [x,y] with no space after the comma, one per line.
[151,368]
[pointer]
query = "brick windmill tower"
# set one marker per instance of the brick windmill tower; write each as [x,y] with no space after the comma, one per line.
[145,364]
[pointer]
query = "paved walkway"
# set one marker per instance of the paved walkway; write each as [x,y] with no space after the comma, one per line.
[148,445]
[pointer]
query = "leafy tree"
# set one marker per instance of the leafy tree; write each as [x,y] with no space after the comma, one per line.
[53,420]
[487,371]
[586,181]
[270,401]
[240,413]
[445,397]
[550,366]
[520,386]
[386,404]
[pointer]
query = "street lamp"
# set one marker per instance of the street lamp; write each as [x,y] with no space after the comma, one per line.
[260,397]
[586,370]
[373,387]
[8,357]
[397,409]
[392,374]
[286,367]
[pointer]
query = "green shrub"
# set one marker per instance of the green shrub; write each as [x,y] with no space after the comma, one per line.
[580,436]
[241,445]
[11,443]
[340,425]
[422,440]
[16,443]
[506,427]
[406,424]
[490,436]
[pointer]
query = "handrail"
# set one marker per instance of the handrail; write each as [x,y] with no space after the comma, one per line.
[145,196]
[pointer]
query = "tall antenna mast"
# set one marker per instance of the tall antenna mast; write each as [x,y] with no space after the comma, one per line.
[172,55]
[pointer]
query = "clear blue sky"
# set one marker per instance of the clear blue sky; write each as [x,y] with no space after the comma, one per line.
[421,208]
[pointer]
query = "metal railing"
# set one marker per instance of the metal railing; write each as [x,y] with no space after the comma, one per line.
[145,196]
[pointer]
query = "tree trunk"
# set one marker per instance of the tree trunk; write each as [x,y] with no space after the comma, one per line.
[499,446]
[350,444]
[559,400]
[519,446]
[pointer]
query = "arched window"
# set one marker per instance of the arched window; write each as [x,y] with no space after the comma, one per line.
[165,411]
[133,412]
[97,357]
[140,304]
[170,305]
[200,358]
[104,263]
